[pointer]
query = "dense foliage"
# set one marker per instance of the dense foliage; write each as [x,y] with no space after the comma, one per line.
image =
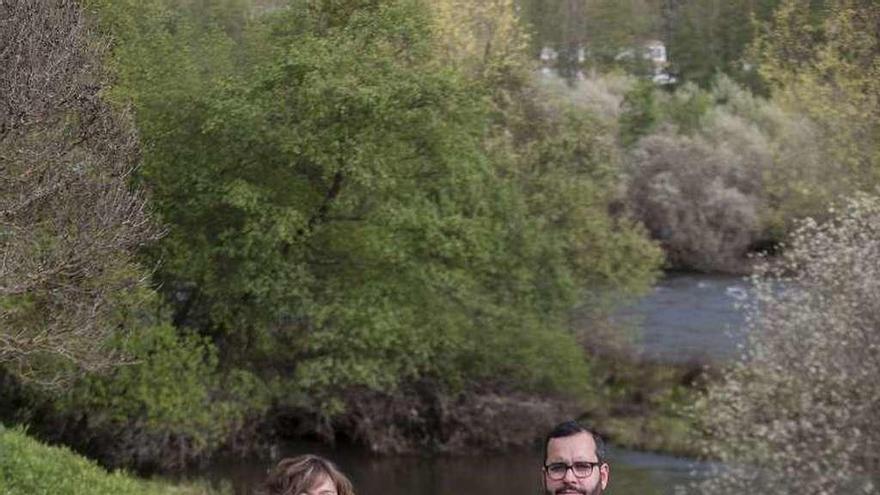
[702,174]
[28,467]
[828,71]
[172,407]
[717,173]
[809,381]
[360,200]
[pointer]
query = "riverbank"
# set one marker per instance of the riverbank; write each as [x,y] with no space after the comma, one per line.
[29,467]
[646,369]
[637,404]
[646,405]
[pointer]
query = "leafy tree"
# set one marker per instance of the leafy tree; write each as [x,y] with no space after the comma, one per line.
[638,114]
[827,70]
[706,38]
[348,212]
[482,38]
[699,198]
[686,108]
[545,149]
[170,408]
[720,173]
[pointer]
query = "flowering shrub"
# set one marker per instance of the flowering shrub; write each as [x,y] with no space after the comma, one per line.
[799,413]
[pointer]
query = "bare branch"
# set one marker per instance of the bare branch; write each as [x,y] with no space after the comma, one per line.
[69,221]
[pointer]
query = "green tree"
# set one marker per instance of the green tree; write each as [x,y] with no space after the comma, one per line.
[638,114]
[708,38]
[345,213]
[171,407]
[827,69]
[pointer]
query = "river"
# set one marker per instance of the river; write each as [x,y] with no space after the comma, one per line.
[690,318]
[685,317]
[513,473]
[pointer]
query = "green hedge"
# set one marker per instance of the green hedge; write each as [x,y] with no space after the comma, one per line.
[28,467]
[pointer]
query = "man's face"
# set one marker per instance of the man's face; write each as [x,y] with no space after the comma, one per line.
[579,447]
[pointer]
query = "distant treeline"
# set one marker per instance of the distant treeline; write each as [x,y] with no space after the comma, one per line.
[703,38]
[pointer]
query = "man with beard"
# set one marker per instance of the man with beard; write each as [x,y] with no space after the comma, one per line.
[574,461]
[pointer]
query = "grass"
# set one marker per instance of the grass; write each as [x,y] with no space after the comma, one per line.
[28,467]
[645,406]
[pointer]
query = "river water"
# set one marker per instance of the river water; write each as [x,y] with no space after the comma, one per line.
[690,318]
[686,317]
[513,473]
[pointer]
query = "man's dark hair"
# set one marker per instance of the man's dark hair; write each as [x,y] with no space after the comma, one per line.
[569,428]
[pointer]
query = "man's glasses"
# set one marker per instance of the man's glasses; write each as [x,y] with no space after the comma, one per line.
[581,469]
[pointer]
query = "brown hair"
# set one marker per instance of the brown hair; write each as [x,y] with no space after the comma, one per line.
[295,475]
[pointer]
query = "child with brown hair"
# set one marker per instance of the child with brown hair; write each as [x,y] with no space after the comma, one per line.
[307,475]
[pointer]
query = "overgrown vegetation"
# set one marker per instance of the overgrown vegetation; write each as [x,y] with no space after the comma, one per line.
[716,173]
[712,174]
[360,201]
[28,467]
[809,383]
[69,222]
[378,221]
[346,188]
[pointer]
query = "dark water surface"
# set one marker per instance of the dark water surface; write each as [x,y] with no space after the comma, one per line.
[516,473]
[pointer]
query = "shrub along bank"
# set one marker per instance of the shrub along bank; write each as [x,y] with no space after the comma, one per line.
[28,467]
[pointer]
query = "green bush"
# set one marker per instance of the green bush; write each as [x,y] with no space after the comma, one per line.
[28,467]
[638,114]
[685,108]
[167,408]
[724,171]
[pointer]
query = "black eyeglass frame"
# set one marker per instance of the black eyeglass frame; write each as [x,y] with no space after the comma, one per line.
[592,465]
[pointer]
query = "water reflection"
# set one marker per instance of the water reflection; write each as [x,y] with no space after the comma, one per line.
[516,473]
